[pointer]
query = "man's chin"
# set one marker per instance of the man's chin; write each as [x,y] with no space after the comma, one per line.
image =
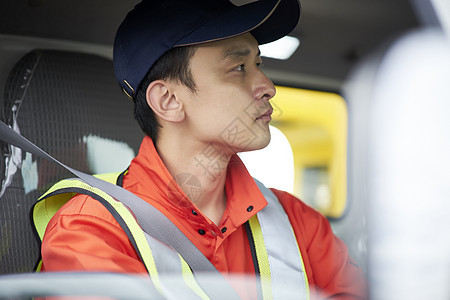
[256,145]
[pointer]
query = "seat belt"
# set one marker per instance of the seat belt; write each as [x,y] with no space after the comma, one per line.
[152,221]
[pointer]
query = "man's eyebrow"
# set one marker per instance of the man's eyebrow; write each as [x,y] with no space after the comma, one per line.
[238,53]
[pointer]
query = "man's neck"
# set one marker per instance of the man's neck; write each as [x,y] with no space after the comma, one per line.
[204,166]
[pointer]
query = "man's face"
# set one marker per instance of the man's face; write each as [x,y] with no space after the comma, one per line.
[231,105]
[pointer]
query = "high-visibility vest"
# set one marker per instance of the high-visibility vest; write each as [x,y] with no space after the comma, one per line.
[274,248]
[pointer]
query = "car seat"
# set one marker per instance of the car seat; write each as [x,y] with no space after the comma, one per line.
[69,104]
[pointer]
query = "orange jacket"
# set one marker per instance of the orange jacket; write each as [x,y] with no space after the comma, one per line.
[83,235]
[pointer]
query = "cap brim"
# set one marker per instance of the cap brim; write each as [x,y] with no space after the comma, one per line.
[267,20]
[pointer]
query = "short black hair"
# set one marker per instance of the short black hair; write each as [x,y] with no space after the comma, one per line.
[173,65]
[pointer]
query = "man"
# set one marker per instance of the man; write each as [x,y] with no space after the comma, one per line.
[192,69]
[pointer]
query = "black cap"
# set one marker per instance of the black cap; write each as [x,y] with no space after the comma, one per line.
[153,27]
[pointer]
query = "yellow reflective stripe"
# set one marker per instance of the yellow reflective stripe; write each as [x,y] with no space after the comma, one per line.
[56,186]
[44,209]
[304,274]
[110,177]
[190,281]
[262,257]
[39,266]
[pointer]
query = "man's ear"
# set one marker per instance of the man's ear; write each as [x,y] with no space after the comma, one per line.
[163,101]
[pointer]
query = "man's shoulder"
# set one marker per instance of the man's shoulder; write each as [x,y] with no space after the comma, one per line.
[84,206]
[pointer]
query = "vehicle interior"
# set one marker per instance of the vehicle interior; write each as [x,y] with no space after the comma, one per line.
[360,128]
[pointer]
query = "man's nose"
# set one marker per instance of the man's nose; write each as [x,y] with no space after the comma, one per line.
[264,88]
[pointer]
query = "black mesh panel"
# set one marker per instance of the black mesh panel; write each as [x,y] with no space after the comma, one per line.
[55,98]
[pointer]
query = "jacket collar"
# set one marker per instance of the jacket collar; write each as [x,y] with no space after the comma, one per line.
[149,178]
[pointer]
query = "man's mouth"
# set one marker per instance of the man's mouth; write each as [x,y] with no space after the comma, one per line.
[266,116]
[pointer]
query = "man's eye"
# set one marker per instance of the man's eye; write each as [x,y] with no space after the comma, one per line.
[240,68]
